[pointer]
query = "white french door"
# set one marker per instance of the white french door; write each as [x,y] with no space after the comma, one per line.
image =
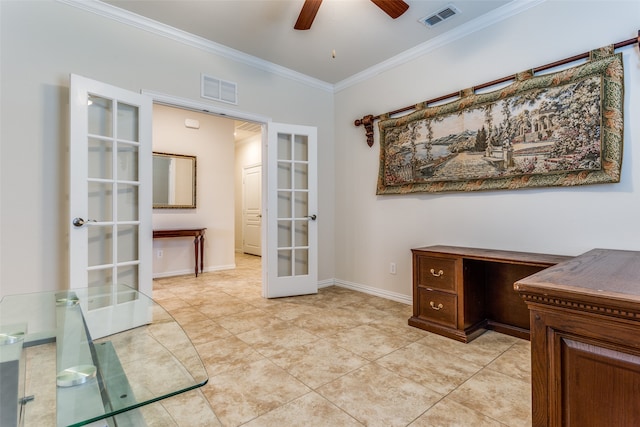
[110,233]
[292,232]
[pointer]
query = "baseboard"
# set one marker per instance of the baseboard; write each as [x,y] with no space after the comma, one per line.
[405,299]
[326,283]
[190,271]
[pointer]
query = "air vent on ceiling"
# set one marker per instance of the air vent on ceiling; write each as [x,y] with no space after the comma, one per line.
[218,89]
[438,17]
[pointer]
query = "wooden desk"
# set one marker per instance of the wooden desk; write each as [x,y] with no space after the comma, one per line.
[198,241]
[460,292]
[585,340]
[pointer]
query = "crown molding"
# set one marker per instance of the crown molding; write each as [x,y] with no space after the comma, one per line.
[128,18]
[510,9]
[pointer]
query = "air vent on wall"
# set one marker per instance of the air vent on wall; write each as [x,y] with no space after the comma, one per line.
[438,17]
[218,89]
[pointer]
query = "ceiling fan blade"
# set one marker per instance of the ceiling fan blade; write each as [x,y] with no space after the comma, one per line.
[393,8]
[307,14]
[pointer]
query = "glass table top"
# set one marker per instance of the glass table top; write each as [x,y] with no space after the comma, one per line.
[89,354]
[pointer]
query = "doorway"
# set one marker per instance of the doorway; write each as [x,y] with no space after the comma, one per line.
[248,164]
[290,232]
[222,147]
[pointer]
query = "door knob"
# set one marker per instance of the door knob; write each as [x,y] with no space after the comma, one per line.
[79,222]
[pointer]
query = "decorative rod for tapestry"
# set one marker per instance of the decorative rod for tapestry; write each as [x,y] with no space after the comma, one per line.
[367,121]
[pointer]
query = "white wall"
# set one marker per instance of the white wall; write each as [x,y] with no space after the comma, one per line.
[213,146]
[373,231]
[41,43]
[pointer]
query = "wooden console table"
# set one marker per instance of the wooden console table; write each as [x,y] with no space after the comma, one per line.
[585,340]
[460,292]
[198,242]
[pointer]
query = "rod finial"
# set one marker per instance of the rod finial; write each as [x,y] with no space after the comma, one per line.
[367,122]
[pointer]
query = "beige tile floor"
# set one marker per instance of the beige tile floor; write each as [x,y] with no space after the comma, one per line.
[338,358]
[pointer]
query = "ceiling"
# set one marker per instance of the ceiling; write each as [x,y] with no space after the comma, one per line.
[361,35]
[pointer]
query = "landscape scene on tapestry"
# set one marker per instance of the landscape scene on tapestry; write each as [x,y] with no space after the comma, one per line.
[540,131]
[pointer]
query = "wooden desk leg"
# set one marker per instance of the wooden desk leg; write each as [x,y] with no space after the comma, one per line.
[201,253]
[195,250]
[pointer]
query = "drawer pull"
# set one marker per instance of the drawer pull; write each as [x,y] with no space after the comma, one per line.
[438,274]
[439,307]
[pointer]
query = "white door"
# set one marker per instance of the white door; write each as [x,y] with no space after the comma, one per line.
[292,233]
[252,210]
[110,203]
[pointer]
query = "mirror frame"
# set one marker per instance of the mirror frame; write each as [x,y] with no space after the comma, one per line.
[193,182]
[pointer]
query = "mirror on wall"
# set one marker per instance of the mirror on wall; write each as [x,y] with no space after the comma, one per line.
[174,181]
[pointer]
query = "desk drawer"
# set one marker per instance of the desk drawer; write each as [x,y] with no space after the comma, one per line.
[439,307]
[436,273]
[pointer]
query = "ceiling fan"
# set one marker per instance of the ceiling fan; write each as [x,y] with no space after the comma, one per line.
[393,8]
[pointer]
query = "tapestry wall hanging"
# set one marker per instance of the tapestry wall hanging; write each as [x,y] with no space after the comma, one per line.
[558,129]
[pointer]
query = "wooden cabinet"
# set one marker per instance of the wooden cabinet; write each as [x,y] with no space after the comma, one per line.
[585,340]
[460,292]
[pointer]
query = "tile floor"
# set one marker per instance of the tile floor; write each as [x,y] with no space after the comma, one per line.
[338,358]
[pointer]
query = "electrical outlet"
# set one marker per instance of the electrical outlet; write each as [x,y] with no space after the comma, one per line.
[159,253]
[392,268]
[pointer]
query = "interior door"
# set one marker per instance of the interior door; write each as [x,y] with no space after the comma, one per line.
[110,233]
[292,233]
[252,210]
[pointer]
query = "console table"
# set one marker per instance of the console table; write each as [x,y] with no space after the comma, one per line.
[94,356]
[460,292]
[198,242]
[585,340]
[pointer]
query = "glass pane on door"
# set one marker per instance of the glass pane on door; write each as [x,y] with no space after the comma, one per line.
[100,245]
[100,156]
[100,116]
[128,122]
[127,162]
[100,201]
[293,186]
[113,199]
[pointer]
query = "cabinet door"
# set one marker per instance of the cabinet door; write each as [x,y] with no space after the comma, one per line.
[600,385]
[585,369]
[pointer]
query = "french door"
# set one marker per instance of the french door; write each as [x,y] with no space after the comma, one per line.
[110,204]
[292,233]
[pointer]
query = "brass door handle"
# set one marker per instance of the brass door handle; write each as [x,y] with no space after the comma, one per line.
[438,307]
[438,274]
